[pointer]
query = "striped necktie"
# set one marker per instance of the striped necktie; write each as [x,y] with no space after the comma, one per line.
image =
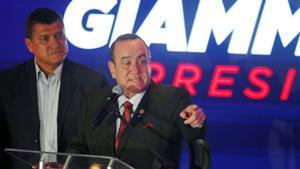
[126,116]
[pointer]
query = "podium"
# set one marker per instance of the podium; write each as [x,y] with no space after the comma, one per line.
[52,160]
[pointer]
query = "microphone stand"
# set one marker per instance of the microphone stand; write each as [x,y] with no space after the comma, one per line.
[162,163]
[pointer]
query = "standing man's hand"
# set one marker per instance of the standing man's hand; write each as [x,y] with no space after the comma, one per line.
[193,115]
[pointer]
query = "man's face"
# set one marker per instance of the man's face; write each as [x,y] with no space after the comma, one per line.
[48,44]
[131,67]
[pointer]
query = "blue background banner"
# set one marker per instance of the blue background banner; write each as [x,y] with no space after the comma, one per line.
[239,59]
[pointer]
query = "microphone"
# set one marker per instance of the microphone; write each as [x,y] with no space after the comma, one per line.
[110,101]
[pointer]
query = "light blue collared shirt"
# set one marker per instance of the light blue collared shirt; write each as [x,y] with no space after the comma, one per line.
[48,96]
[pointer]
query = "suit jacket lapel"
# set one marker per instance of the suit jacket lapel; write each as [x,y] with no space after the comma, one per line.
[107,130]
[65,95]
[30,78]
[110,130]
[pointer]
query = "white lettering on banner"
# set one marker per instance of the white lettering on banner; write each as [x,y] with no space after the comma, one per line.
[276,17]
[100,24]
[169,14]
[239,22]
[165,24]
[126,18]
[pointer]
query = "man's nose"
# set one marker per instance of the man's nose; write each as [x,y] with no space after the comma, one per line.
[55,42]
[134,67]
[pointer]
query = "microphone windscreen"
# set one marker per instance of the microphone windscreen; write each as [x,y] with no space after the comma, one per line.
[117,90]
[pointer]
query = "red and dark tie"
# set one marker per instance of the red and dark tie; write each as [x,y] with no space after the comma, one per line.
[127,117]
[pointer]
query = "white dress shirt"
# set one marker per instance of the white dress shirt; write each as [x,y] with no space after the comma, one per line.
[48,96]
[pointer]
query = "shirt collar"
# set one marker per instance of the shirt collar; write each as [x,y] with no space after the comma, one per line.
[135,100]
[57,72]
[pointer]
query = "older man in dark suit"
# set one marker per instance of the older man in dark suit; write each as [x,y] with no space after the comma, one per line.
[40,100]
[146,131]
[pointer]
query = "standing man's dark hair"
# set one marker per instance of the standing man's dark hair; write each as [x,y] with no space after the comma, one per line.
[43,16]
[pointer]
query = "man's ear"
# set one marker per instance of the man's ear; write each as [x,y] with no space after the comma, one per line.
[28,44]
[112,69]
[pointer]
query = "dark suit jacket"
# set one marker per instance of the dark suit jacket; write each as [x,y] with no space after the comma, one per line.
[19,104]
[159,128]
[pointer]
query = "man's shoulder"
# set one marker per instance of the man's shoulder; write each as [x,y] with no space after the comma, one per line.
[166,89]
[13,73]
[83,73]
[80,69]
[99,93]
[16,68]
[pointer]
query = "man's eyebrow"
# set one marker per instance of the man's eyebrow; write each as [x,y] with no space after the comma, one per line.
[59,32]
[124,57]
[142,55]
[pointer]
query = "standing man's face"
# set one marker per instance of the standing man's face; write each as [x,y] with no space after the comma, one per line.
[48,45]
[131,67]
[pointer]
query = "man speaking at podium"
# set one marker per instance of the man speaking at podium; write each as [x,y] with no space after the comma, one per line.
[142,127]
[40,98]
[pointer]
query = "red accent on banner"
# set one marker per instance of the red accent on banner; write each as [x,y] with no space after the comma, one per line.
[288,83]
[264,87]
[222,82]
[160,72]
[187,81]
[218,80]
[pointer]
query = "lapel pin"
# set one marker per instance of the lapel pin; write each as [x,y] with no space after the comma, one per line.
[141,113]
